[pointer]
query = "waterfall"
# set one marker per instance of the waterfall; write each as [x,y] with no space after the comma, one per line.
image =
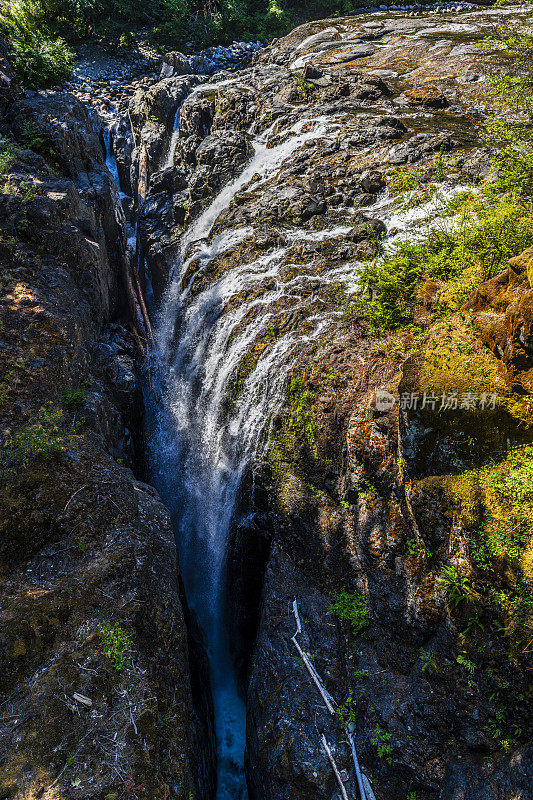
[198,452]
[199,448]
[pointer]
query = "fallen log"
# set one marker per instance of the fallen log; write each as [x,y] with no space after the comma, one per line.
[335,768]
[351,730]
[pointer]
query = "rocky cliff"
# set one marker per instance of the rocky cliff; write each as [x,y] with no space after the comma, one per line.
[353,497]
[388,515]
[97,698]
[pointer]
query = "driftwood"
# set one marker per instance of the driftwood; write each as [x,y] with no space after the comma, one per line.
[351,729]
[133,300]
[365,789]
[335,768]
[368,788]
[142,187]
[326,697]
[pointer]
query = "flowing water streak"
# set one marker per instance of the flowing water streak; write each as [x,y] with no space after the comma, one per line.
[200,448]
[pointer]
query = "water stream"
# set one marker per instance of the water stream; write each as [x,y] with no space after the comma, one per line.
[199,449]
[199,455]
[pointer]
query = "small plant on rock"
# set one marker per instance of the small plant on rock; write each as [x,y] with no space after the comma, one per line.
[455,584]
[429,662]
[380,740]
[7,156]
[74,398]
[116,644]
[346,712]
[304,87]
[352,608]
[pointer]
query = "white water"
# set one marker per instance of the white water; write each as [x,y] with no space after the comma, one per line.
[198,455]
[200,446]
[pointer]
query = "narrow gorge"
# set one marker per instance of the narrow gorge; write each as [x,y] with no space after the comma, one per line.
[266,506]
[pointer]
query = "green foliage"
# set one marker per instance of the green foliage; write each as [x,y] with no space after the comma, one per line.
[429,662]
[510,131]
[37,26]
[360,673]
[32,136]
[380,740]
[366,491]
[116,644]
[494,505]
[7,156]
[352,608]
[126,40]
[42,438]
[305,88]
[417,183]
[75,398]
[346,711]
[455,584]
[41,62]
[38,55]
[413,547]
[487,228]
[463,661]
[486,232]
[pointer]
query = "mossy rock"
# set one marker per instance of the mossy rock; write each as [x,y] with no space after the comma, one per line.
[494,505]
[455,361]
[524,262]
[427,96]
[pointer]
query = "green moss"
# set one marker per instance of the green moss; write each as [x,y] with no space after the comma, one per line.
[295,428]
[302,420]
[494,504]
[455,361]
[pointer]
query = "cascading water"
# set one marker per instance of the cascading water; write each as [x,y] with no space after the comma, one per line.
[199,454]
[199,449]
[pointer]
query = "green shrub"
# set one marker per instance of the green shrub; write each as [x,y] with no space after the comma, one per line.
[455,584]
[42,438]
[7,156]
[40,61]
[75,398]
[305,88]
[486,232]
[346,712]
[352,608]
[116,644]
[32,136]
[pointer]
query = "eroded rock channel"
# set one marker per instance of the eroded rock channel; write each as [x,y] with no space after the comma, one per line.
[280,481]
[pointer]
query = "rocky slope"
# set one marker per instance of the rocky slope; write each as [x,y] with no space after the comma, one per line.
[351,497]
[266,189]
[97,698]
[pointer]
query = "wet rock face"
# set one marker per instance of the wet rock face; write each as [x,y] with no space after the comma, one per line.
[282,759]
[94,648]
[310,134]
